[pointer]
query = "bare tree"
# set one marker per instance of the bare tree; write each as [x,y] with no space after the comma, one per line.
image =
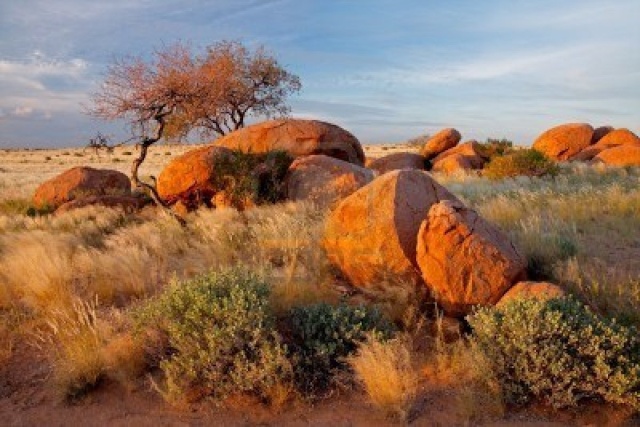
[176,92]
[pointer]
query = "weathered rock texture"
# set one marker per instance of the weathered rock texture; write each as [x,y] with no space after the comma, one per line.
[191,177]
[324,180]
[599,133]
[397,161]
[80,182]
[440,142]
[465,260]
[623,155]
[298,138]
[543,291]
[371,234]
[564,141]
[613,138]
[467,156]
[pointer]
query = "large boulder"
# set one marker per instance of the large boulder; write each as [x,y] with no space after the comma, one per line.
[371,235]
[81,181]
[468,155]
[623,155]
[542,291]
[613,138]
[465,260]
[618,137]
[564,141]
[298,138]
[323,179]
[191,178]
[440,142]
[397,161]
[452,164]
[600,132]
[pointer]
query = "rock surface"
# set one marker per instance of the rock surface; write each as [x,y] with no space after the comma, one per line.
[623,155]
[599,133]
[465,260]
[324,180]
[191,177]
[80,182]
[564,141]
[543,291]
[451,164]
[440,142]
[470,151]
[613,138]
[371,234]
[298,138]
[397,161]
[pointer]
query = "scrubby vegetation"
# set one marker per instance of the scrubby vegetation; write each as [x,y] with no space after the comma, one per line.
[220,337]
[523,162]
[560,352]
[122,297]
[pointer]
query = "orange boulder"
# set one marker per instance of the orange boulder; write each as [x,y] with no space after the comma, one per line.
[465,260]
[80,182]
[564,141]
[191,177]
[440,142]
[600,132]
[623,155]
[324,180]
[619,137]
[397,161]
[371,234]
[543,291]
[451,164]
[298,138]
[470,151]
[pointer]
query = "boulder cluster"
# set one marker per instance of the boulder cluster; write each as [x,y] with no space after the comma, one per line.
[581,142]
[389,222]
[405,228]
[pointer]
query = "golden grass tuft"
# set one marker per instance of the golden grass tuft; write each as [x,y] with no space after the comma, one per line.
[386,372]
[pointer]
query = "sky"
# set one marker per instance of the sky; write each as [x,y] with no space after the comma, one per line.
[384,70]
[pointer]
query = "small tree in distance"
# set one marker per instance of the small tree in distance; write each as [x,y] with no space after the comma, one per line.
[177,92]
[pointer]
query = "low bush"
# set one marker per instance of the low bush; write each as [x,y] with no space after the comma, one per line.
[559,352]
[322,335]
[527,162]
[252,178]
[495,147]
[220,335]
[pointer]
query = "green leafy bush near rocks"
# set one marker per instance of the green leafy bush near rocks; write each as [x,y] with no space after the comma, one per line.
[495,147]
[322,335]
[220,337]
[256,177]
[559,352]
[527,162]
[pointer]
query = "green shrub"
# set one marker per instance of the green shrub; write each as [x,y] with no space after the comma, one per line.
[559,352]
[495,147]
[323,335]
[527,162]
[254,177]
[220,335]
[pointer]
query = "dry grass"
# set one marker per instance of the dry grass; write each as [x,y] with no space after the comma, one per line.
[387,374]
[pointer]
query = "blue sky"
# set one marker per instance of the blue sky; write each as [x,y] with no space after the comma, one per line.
[385,70]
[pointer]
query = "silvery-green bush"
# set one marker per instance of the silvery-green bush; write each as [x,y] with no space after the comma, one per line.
[221,336]
[560,352]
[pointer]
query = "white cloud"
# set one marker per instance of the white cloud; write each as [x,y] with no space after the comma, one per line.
[22,111]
